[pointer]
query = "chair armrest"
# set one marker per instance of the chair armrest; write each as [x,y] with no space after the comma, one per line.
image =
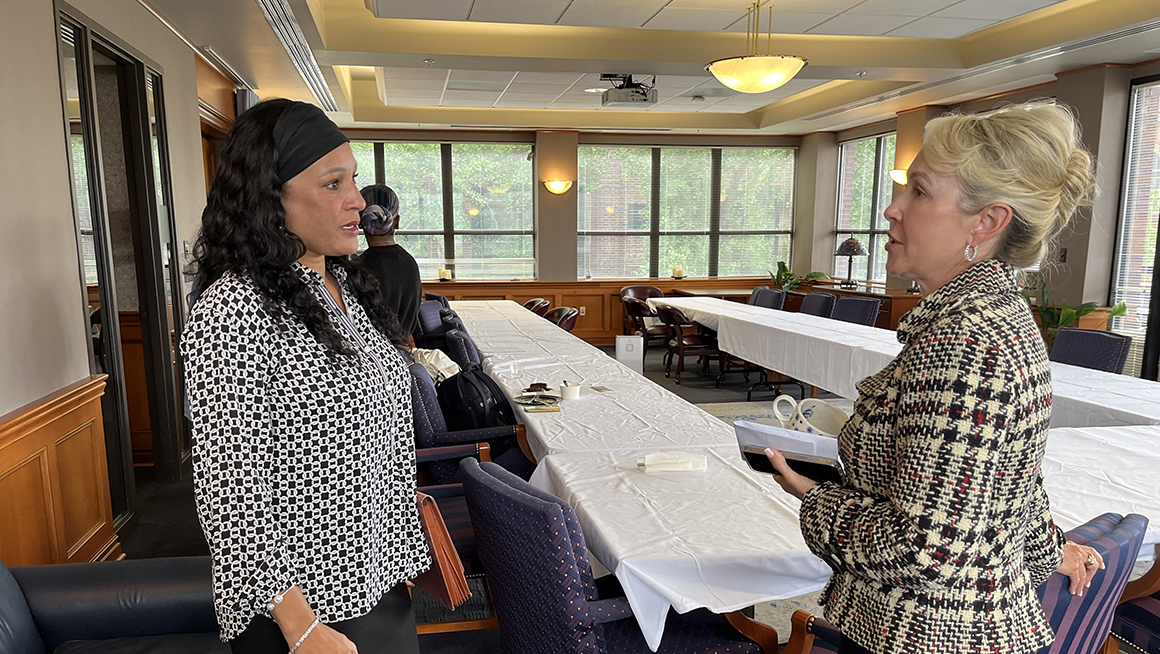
[427,454]
[96,601]
[442,491]
[609,610]
[472,435]
[801,637]
[1147,585]
[762,634]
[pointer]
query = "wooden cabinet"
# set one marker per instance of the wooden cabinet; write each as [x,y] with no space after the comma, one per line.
[54,481]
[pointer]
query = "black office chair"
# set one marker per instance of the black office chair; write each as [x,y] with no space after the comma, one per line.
[770,298]
[1091,348]
[753,295]
[858,310]
[818,304]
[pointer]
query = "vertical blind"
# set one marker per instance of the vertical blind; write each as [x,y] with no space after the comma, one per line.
[864,193]
[1139,216]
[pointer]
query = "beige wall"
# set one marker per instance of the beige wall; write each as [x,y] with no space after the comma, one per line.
[556,214]
[816,199]
[42,321]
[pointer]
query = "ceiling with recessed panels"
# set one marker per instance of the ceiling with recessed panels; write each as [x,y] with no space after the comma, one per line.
[526,64]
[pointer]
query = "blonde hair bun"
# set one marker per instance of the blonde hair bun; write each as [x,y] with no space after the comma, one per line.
[1028,156]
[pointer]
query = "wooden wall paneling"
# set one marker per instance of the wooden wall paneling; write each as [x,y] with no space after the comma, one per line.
[215,95]
[592,322]
[136,388]
[54,483]
[26,510]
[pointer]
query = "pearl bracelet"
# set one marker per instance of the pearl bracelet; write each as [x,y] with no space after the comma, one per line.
[276,600]
[304,635]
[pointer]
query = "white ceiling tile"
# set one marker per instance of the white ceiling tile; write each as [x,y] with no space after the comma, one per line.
[993,9]
[940,28]
[411,100]
[812,6]
[610,13]
[530,97]
[567,79]
[482,75]
[458,102]
[851,25]
[679,82]
[395,84]
[414,73]
[680,18]
[516,87]
[539,12]
[900,7]
[783,22]
[575,105]
[735,6]
[423,9]
[473,96]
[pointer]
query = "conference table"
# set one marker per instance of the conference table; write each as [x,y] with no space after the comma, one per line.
[724,538]
[837,355]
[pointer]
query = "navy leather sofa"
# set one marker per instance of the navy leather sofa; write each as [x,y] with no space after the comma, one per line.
[125,607]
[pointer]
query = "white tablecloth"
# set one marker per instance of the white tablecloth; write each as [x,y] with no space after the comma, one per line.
[835,355]
[1090,471]
[722,539]
[519,348]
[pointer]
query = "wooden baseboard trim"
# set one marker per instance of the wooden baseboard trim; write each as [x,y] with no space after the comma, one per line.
[461,625]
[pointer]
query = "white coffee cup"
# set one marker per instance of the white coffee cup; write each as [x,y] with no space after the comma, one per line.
[811,415]
[569,391]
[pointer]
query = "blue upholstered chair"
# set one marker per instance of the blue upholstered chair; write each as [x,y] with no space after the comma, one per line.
[461,348]
[818,304]
[542,584]
[1091,348]
[508,443]
[429,331]
[437,298]
[1137,620]
[857,310]
[770,298]
[538,306]
[753,294]
[1081,623]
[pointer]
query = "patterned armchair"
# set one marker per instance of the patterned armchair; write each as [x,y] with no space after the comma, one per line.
[1137,620]
[1081,623]
[542,584]
[429,331]
[508,443]
[461,349]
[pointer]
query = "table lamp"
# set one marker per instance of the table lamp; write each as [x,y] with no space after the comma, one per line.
[850,248]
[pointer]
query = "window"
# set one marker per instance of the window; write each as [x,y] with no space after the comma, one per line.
[713,211]
[864,192]
[463,206]
[1133,279]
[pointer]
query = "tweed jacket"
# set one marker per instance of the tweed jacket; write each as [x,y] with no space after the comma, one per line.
[943,531]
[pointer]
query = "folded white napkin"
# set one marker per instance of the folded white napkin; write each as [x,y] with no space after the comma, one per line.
[672,462]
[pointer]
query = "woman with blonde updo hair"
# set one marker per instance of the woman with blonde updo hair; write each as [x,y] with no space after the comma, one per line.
[942,531]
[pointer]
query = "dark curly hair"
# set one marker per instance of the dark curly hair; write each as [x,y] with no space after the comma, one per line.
[243,230]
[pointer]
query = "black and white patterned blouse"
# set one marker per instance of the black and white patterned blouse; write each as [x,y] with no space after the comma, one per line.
[304,463]
[944,531]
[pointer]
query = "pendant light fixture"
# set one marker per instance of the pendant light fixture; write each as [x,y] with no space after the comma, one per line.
[755,73]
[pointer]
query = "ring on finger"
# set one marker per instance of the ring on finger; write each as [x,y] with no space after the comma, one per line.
[1091,561]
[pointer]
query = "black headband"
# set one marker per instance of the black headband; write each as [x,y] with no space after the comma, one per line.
[303,135]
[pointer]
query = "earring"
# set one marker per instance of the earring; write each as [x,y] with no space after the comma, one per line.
[971,252]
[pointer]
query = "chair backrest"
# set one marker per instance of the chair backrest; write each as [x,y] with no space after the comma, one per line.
[1081,622]
[461,349]
[537,305]
[638,310]
[860,310]
[563,317]
[437,298]
[1091,348]
[18,633]
[770,298]
[428,417]
[818,304]
[451,320]
[673,317]
[641,292]
[753,295]
[534,562]
[429,328]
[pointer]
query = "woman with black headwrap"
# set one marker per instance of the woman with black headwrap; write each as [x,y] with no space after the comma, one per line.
[394,267]
[305,492]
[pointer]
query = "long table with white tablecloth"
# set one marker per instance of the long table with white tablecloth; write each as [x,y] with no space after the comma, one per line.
[836,355]
[726,537]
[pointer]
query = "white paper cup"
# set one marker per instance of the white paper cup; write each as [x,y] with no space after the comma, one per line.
[570,392]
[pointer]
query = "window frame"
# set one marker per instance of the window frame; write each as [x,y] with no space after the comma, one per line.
[875,210]
[713,231]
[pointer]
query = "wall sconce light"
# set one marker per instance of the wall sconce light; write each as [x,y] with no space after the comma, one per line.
[558,186]
[899,176]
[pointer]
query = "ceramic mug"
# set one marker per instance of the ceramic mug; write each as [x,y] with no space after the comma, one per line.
[570,391]
[811,415]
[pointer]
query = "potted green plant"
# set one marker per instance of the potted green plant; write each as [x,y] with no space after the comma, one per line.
[1053,317]
[788,281]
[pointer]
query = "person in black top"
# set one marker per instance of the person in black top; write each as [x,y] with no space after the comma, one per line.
[395,268]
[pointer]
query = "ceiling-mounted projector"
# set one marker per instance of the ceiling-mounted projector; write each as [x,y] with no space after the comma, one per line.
[626,92]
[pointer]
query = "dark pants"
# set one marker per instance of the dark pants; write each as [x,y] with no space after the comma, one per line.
[847,647]
[388,628]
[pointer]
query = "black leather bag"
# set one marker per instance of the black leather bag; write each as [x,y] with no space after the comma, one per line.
[472,400]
